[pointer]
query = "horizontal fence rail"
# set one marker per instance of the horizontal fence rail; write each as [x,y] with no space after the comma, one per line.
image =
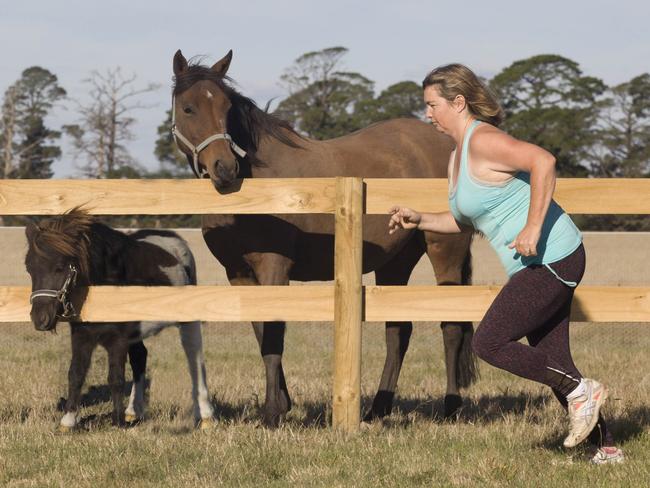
[316,303]
[575,195]
[347,302]
[291,195]
[167,197]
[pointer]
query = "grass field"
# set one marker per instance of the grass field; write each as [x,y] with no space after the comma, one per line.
[509,433]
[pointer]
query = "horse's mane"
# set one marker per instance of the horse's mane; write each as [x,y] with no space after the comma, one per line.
[246,121]
[67,235]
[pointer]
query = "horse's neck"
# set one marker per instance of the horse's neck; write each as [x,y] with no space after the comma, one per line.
[281,160]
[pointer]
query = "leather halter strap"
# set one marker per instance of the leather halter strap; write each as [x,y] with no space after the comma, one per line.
[201,146]
[60,295]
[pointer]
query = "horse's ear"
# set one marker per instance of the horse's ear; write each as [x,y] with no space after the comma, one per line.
[180,63]
[221,66]
[31,229]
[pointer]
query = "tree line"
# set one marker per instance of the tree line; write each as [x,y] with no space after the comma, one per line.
[592,129]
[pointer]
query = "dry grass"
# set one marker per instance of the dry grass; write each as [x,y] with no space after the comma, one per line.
[509,433]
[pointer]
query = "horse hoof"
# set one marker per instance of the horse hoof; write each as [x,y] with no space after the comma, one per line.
[365,426]
[272,421]
[207,424]
[130,418]
[64,429]
[452,406]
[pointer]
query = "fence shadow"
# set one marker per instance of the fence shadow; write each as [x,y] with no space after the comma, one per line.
[483,410]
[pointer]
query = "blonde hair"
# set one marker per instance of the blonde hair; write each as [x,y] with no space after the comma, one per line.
[456,79]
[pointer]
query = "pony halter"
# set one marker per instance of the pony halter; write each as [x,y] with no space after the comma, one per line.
[61,295]
[200,147]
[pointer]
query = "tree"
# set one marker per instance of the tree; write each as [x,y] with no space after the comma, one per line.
[323,99]
[172,161]
[106,124]
[622,148]
[549,102]
[25,137]
[402,99]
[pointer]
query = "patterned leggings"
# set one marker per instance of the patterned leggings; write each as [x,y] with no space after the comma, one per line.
[535,304]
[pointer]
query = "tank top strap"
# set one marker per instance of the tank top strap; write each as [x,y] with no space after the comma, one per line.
[465,150]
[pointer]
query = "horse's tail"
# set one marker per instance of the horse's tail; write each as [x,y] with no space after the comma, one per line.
[467,371]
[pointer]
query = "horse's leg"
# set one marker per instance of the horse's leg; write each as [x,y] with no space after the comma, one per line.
[117,346]
[269,269]
[396,272]
[192,341]
[138,360]
[82,351]
[451,260]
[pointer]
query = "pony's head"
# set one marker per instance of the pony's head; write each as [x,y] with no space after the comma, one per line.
[200,120]
[57,257]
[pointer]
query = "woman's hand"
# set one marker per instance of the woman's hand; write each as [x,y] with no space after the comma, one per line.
[404,218]
[526,242]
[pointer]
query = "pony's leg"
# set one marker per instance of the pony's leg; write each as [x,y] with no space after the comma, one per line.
[138,360]
[83,345]
[192,341]
[396,272]
[269,269]
[117,347]
[451,260]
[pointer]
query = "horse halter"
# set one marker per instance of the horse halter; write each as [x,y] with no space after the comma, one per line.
[61,295]
[200,147]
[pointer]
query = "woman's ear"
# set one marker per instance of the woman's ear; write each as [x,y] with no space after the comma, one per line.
[460,103]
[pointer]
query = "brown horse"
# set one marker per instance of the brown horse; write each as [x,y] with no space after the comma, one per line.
[226,136]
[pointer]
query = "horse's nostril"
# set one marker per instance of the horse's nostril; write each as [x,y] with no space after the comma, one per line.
[222,171]
[43,319]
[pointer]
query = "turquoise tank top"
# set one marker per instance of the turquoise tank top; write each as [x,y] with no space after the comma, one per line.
[500,212]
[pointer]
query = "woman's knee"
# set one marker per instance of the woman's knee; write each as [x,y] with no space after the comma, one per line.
[484,344]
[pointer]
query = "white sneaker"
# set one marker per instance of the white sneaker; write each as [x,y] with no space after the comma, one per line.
[583,412]
[608,455]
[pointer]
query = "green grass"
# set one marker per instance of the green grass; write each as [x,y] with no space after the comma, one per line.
[509,433]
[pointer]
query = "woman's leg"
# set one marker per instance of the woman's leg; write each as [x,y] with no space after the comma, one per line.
[524,305]
[553,338]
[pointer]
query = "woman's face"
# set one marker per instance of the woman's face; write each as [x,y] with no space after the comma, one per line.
[439,111]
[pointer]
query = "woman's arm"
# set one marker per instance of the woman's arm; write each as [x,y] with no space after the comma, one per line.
[406,218]
[504,153]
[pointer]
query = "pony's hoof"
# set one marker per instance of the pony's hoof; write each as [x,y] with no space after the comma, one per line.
[131,418]
[64,429]
[207,424]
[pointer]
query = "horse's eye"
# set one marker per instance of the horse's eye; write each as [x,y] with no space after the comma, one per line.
[188,110]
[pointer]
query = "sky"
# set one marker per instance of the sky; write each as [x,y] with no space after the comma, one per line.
[387,41]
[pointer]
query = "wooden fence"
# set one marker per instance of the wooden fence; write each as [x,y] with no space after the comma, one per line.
[347,301]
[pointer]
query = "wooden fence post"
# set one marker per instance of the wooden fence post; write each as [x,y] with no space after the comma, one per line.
[346,404]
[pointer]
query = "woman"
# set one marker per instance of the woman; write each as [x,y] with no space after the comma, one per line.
[503,187]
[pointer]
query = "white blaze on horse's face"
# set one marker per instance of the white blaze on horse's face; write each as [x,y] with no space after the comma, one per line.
[201,111]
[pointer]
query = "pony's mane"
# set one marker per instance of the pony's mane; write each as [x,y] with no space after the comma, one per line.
[67,235]
[246,121]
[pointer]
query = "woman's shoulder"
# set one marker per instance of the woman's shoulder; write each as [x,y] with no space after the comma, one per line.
[488,140]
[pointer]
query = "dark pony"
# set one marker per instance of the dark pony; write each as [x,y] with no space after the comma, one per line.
[73,251]
[226,137]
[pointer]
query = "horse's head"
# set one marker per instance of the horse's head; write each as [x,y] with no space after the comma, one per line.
[200,120]
[55,257]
